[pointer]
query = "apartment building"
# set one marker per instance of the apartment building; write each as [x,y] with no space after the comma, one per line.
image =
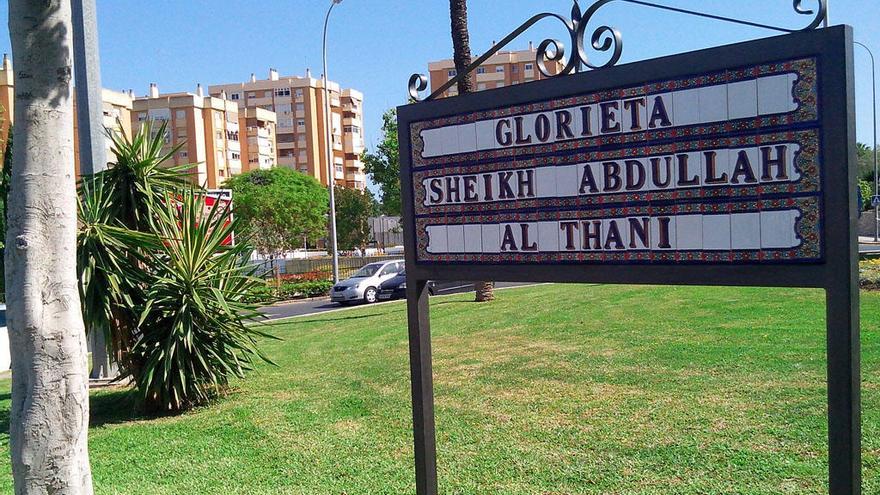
[117,112]
[504,68]
[259,145]
[117,117]
[298,102]
[208,128]
[7,99]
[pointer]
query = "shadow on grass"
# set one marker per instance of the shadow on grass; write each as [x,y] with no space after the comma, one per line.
[113,407]
[303,320]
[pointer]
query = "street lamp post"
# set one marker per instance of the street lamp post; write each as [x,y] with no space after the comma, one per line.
[92,147]
[331,169]
[876,178]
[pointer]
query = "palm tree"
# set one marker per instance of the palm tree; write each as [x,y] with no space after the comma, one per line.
[49,420]
[461,55]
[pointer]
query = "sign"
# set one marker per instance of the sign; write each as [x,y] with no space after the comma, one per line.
[875,201]
[728,166]
[717,167]
[222,200]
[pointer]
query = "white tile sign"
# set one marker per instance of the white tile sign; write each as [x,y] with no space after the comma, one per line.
[717,168]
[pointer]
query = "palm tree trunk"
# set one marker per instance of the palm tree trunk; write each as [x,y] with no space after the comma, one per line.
[461,47]
[461,43]
[50,403]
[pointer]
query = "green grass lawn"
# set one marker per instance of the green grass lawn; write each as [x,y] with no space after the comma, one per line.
[555,389]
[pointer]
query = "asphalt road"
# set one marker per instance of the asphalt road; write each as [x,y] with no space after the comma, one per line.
[323,304]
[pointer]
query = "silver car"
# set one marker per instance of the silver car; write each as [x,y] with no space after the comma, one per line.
[364,284]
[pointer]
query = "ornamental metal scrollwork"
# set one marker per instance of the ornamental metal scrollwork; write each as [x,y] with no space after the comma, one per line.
[603,39]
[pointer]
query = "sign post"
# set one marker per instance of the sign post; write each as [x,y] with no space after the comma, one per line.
[728,166]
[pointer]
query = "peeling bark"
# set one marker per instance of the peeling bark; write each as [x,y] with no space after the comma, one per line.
[50,410]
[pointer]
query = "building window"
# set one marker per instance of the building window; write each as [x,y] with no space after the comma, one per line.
[514,69]
[499,69]
[183,154]
[142,116]
[301,123]
[352,128]
[452,73]
[481,70]
[181,114]
[338,169]
[236,156]
[528,66]
[300,107]
[298,92]
[235,96]
[481,86]
[282,91]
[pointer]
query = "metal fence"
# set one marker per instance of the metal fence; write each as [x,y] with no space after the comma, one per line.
[347,264]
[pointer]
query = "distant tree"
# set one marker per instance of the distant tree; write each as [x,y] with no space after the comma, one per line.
[353,211]
[279,207]
[383,166]
[866,162]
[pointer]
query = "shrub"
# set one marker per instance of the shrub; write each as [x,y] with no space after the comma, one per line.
[157,277]
[869,274]
[313,288]
[867,190]
[312,275]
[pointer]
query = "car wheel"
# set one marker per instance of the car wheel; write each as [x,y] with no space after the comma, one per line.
[370,295]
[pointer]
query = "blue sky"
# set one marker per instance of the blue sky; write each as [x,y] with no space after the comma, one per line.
[376,44]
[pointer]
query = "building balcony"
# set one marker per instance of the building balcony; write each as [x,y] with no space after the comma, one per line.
[353,144]
[490,76]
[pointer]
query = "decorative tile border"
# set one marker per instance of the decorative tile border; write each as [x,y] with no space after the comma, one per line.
[804,92]
[806,163]
[807,231]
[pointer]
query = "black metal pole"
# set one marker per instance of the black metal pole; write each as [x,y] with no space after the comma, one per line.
[842,284]
[422,386]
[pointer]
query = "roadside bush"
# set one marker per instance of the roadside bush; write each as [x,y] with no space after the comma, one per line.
[867,190]
[313,288]
[268,293]
[869,274]
[302,277]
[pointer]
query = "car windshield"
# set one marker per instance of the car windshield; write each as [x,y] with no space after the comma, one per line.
[367,270]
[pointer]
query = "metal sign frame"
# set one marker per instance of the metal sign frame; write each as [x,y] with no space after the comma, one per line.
[836,273]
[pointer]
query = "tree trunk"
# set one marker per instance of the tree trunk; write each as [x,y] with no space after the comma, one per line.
[461,46]
[50,409]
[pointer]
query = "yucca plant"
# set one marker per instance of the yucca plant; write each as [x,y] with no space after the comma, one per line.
[141,176]
[158,278]
[194,335]
[109,257]
[116,234]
